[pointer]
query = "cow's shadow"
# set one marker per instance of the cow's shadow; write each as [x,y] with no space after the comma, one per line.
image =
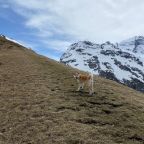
[83,93]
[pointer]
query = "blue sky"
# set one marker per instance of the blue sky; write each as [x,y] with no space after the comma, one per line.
[50,26]
[13,25]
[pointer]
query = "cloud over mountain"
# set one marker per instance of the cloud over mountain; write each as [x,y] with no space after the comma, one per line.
[95,20]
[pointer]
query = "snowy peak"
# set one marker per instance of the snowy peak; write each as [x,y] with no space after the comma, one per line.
[10,39]
[120,62]
[1,35]
[134,44]
[83,45]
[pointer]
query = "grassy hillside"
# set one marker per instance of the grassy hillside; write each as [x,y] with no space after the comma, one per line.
[39,105]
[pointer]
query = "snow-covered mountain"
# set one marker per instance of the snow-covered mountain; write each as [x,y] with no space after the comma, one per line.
[10,39]
[134,44]
[122,62]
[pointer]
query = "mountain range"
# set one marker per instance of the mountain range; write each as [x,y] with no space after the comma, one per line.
[122,62]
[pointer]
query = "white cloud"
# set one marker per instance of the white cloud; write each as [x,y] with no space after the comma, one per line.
[95,20]
[58,45]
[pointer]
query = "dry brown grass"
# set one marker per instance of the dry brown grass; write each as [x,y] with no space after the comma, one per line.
[39,105]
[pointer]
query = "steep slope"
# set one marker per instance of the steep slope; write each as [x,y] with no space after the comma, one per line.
[39,105]
[122,62]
